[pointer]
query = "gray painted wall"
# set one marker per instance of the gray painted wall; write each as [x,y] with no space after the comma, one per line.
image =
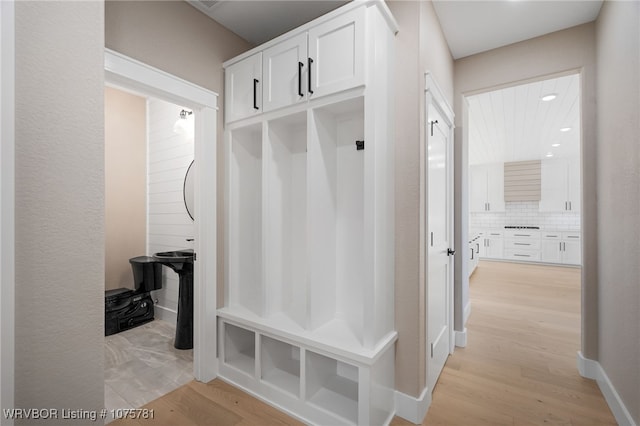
[178,39]
[59,202]
[618,47]
[419,33]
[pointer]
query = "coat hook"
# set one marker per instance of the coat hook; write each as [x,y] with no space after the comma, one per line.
[432,123]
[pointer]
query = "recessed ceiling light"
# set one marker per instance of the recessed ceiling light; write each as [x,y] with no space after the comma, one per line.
[549,154]
[549,97]
[565,129]
[555,145]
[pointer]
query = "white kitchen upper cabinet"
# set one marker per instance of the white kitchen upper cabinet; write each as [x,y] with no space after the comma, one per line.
[495,187]
[486,188]
[560,185]
[336,54]
[285,73]
[573,184]
[243,88]
[477,189]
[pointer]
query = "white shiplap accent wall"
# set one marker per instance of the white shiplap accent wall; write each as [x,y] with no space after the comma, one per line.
[168,224]
[525,213]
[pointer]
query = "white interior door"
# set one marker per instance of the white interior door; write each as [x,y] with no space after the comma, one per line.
[439,243]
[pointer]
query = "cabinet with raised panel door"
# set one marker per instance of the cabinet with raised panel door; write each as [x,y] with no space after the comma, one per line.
[486,188]
[560,185]
[491,244]
[561,247]
[243,88]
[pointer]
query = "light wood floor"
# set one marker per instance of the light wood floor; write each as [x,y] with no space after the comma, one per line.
[519,366]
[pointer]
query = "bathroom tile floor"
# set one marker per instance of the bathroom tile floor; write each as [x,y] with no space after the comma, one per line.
[141,365]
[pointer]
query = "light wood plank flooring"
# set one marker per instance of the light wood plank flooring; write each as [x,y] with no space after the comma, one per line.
[519,366]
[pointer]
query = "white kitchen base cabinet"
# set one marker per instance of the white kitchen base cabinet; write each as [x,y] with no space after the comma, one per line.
[308,321]
[561,247]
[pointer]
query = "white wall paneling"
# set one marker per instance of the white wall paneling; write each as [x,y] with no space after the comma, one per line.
[169,155]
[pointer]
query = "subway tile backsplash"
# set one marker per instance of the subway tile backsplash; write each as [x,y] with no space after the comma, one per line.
[525,213]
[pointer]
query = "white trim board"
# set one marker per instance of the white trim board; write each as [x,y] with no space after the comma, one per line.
[411,408]
[591,369]
[7,206]
[131,75]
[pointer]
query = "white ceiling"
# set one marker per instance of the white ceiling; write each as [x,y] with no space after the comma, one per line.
[514,124]
[258,21]
[472,27]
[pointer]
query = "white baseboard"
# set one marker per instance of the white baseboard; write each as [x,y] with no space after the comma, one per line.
[466,313]
[461,338]
[165,314]
[593,370]
[413,409]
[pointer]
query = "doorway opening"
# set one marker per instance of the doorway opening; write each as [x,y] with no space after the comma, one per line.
[149,147]
[525,185]
[170,96]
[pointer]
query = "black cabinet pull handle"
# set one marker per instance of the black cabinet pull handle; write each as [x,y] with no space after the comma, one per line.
[300,65]
[309,83]
[255,93]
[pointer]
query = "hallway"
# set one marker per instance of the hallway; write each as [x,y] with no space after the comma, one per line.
[519,366]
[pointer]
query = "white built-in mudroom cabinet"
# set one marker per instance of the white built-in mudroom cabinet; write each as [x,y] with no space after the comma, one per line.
[308,320]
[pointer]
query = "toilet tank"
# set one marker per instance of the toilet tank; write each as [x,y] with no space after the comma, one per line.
[147,273]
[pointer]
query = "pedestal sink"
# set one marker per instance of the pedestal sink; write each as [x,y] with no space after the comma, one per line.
[181,261]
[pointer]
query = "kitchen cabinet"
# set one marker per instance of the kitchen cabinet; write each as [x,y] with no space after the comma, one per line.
[319,59]
[522,244]
[560,185]
[306,322]
[491,244]
[243,88]
[474,252]
[486,188]
[561,247]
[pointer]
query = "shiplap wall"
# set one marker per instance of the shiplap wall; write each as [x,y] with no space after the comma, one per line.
[168,225]
[522,181]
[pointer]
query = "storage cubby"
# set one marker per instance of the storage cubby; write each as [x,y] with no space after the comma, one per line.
[309,247]
[332,385]
[281,365]
[240,348]
[245,286]
[337,216]
[286,233]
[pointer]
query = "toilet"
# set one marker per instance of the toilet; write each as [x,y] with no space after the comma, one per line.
[125,308]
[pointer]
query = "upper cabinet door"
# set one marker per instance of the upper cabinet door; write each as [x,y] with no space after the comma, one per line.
[243,88]
[573,184]
[285,73]
[477,189]
[336,54]
[495,187]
